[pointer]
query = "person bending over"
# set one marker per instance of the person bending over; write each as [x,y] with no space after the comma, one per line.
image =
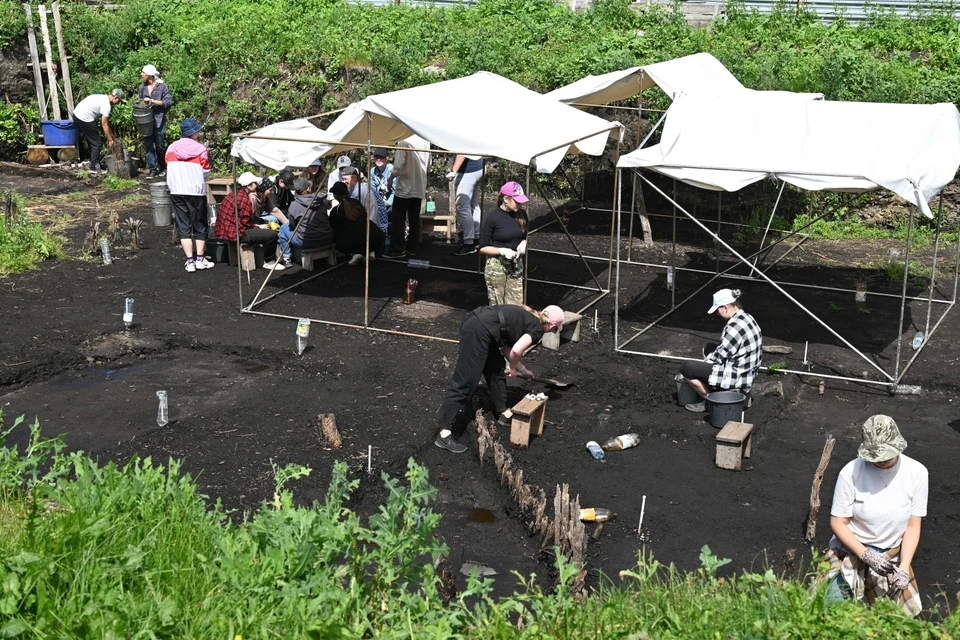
[487,336]
[878,505]
[735,362]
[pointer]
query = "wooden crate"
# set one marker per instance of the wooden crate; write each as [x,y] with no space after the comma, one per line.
[527,420]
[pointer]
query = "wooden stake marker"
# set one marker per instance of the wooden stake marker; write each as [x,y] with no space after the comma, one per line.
[815,489]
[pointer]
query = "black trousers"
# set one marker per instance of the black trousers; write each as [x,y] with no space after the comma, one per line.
[406,212]
[479,355]
[91,133]
[699,369]
[266,237]
[190,215]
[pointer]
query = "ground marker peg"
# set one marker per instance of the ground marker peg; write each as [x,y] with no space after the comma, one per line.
[643,506]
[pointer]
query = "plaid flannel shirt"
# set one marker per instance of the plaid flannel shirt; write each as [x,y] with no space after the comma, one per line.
[868,585]
[226,225]
[738,358]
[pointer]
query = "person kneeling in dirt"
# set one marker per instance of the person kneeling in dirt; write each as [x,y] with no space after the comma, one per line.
[350,223]
[878,506]
[735,362]
[309,224]
[487,336]
[250,231]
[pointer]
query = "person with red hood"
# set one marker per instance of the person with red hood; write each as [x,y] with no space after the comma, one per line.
[188,164]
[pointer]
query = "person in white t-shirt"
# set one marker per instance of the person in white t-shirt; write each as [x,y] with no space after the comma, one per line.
[86,114]
[878,505]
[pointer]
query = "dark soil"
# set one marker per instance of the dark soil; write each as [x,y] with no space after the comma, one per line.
[241,400]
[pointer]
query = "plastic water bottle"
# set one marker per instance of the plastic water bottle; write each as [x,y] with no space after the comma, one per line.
[303,332]
[105,251]
[621,442]
[418,264]
[162,418]
[918,340]
[128,313]
[596,515]
[595,450]
[431,205]
[669,278]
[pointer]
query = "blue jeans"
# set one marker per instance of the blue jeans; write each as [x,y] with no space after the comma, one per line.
[156,146]
[286,241]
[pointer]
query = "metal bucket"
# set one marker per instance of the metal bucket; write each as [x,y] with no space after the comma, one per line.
[162,207]
[131,162]
[143,118]
[725,406]
[685,393]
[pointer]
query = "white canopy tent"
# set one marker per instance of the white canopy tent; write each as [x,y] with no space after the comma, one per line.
[483,115]
[814,145]
[265,151]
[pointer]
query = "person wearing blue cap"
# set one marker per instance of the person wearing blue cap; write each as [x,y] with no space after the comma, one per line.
[188,164]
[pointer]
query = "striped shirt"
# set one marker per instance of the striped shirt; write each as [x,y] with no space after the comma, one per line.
[740,354]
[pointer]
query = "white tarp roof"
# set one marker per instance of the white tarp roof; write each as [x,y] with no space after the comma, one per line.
[699,73]
[280,154]
[480,115]
[910,149]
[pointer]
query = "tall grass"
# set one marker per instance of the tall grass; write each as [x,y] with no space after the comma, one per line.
[24,243]
[111,551]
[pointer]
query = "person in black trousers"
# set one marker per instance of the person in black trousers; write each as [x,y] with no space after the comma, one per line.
[487,336]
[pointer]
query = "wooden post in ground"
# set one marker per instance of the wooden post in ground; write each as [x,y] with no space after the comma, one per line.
[35,61]
[48,56]
[64,63]
[815,489]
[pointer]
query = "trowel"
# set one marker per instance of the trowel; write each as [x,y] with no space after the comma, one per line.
[550,382]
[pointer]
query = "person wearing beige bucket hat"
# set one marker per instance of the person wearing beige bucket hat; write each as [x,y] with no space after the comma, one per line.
[878,505]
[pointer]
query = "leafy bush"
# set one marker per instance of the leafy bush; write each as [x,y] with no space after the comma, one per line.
[24,243]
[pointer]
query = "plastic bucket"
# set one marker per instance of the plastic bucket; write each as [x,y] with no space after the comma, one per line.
[217,250]
[685,393]
[725,406]
[162,207]
[143,118]
[59,133]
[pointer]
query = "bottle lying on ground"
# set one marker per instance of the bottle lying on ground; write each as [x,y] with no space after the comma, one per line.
[621,442]
[596,515]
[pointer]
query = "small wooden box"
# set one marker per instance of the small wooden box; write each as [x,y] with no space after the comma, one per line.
[569,331]
[733,445]
[528,417]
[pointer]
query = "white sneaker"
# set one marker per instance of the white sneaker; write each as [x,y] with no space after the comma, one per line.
[190,266]
[278,266]
[356,259]
[203,263]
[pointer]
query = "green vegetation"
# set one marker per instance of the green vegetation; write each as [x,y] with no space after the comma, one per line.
[24,243]
[116,183]
[130,198]
[134,551]
[919,272]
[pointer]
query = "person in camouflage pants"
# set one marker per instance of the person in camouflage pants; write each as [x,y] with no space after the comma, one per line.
[504,280]
[503,241]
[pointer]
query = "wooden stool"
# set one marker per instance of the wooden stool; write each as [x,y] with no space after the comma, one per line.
[528,416]
[733,444]
[248,255]
[443,223]
[307,256]
[569,331]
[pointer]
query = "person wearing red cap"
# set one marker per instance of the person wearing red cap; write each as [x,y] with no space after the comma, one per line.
[503,240]
[487,336]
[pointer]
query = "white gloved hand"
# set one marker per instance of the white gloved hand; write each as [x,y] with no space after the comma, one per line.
[877,561]
[522,248]
[451,175]
[509,254]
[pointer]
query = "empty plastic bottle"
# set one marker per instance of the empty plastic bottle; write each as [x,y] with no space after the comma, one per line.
[669,278]
[105,251]
[596,515]
[918,340]
[595,450]
[418,264]
[303,332]
[128,313]
[621,442]
[162,417]
[431,204]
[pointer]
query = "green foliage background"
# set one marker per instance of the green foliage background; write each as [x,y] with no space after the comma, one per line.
[239,64]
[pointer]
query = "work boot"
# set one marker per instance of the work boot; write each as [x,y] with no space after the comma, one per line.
[449,444]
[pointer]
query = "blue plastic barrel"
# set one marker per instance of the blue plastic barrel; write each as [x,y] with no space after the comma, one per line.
[59,133]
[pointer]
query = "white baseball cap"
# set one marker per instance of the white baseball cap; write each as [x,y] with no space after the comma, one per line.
[722,297]
[151,70]
[343,161]
[246,178]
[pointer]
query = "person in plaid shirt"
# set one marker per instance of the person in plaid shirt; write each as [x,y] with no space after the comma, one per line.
[252,230]
[735,362]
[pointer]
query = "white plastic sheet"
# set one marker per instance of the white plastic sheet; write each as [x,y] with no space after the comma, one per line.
[280,154]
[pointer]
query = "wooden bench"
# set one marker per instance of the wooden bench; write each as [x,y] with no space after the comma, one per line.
[251,255]
[308,256]
[733,445]
[445,224]
[569,331]
[527,420]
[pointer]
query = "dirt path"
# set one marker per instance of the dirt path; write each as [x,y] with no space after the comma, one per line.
[241,400]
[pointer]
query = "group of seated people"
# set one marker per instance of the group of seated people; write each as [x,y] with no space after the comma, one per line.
[287,211]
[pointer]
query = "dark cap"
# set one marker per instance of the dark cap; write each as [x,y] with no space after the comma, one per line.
[287,176]
[380,151]
[349,171]
[300,185]
[339,189]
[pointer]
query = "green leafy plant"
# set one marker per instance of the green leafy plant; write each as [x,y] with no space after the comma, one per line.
[116,183]
[24,243]
[776,367]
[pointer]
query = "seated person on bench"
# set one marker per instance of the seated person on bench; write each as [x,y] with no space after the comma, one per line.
[734,363]
[250,231]
[309,223]
[350,222]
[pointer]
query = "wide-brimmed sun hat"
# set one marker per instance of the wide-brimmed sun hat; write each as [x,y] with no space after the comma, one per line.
[189,127]
[881,439]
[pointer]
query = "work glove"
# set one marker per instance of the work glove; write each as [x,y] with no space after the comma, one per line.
[876,561]
[508,254]
[522,248]
[452,175]
[901,579]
